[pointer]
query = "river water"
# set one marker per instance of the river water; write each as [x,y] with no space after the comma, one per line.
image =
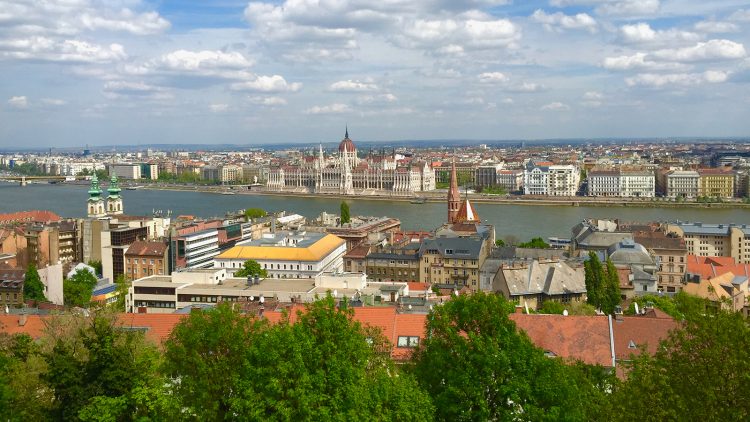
[522,221]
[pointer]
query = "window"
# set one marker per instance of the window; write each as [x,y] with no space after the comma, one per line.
[449,251]
[408,341]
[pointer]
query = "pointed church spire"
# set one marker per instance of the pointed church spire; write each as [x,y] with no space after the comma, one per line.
[454,196]
[346,134]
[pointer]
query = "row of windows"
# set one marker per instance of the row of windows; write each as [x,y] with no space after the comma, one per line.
[407,341]
[154,304]
[143,261]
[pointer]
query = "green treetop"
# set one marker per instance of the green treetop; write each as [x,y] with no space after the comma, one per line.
[345,217]
[33,288]
[251,268]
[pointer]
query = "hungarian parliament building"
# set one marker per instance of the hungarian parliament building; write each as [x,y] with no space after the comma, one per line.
[347,174]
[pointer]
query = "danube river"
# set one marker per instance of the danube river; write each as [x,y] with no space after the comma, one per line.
[522,221]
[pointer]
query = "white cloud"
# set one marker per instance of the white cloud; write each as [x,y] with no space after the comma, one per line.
[134,90]
[703,51]
[49,49]
[19,102]
[205,60]
[638,61]
[218,108]
[376,99]
[642,33]
[493,77]
[464,33]
[526,87]
[654,80]
[628,7]
[716,27]
[592,99]
[593,95]
[741,15]
[555,106]
[125,20]
[353,86]
[72,17]
[336,108]
[53,102]
[560,20]
[274,83]
[507,101]
[268,101]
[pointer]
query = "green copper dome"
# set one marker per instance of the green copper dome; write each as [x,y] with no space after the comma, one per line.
[114,188]
[94,191]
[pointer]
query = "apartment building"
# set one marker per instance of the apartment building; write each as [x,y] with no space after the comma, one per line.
[143,259]
[545,178]
[682,184]
[716,183]
[453,260]
[702,239]
[231,173]
[623,182]
[126,170]
[510,180]
[671,257]
[394,263]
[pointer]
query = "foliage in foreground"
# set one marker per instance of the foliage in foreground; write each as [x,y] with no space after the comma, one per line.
[220,365]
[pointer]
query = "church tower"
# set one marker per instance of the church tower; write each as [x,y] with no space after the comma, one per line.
[114,200]
[95,202]
[454,197]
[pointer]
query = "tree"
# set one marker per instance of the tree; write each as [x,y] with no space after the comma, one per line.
[325,366]
[97,266]
[612,296]
[253,213]
[206,352]
[700,372]
[345,217]
[477,366]
[77,289]
[123,284]
[33,289]
[23,395]
[95,370]
[251,268]
[594,280]
[499,243]
[535,243]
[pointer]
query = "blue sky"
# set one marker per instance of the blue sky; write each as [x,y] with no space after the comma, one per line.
[133,72]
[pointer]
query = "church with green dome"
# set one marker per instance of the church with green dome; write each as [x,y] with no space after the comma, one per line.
[97,206]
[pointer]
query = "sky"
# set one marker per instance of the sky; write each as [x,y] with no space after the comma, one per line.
[131,72]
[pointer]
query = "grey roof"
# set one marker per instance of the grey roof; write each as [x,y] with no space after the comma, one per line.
[491,266]
[549,278]
[460,247]
[641,276]
[385,255]
[304,239]
[629,252]
[712,229]
[597,239]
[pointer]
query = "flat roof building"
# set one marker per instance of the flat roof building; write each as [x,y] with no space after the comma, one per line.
[288,254]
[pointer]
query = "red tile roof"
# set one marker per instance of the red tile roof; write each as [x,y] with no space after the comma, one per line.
[36,216]
[708,267]
[141,248]
[640,331]
[583,338]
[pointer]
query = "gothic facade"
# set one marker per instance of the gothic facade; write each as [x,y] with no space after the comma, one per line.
[345,173]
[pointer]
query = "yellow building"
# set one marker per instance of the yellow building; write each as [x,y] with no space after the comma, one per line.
[716,183]
[294,254]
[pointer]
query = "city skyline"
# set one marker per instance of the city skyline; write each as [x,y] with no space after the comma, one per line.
[138,72]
